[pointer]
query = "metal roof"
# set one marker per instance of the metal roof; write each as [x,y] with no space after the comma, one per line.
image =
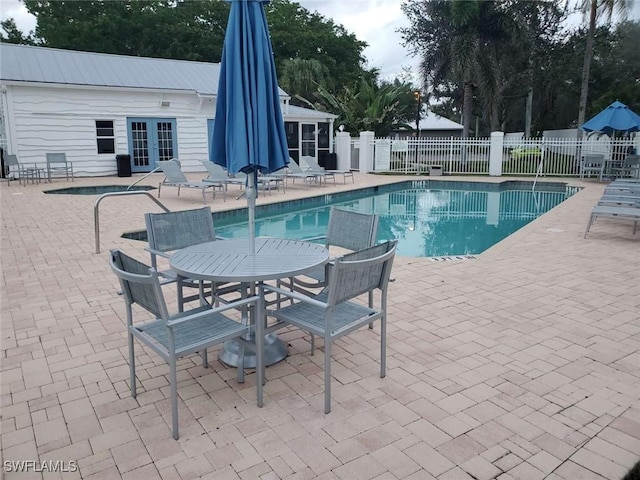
[431,121]
[293,110]
[23,63]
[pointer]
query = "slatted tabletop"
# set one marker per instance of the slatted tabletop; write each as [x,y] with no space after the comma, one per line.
[230,260]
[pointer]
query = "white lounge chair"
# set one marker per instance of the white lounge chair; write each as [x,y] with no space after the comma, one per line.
[312,165]
[614,211]
[175,178]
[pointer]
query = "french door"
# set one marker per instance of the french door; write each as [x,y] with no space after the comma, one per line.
[151,140]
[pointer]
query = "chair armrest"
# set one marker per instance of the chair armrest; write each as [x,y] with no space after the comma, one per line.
[158,252]
[295,295]
[228,306]
[321,237]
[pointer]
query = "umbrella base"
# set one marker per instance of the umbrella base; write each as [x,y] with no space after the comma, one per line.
[275,350]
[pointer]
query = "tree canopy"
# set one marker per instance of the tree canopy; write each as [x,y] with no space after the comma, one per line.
[190,30]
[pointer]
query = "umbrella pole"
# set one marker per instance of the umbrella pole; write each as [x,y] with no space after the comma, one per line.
[251,202]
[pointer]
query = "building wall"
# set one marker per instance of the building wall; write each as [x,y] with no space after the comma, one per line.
[62,119]
[59,119]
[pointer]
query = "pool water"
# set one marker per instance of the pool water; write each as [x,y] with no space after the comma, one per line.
[429,218]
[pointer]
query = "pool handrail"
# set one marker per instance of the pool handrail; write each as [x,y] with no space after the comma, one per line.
[157,169]
[96,210]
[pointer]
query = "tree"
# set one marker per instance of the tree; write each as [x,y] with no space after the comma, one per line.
[593,7]
[301,79]
[457,44]
[370,106]
[13,34]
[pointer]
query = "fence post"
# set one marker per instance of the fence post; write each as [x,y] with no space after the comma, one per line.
[366,152]
[495,154]
[343,150]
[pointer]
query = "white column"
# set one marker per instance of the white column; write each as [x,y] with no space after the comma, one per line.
[366,151]
[495,154]
[342,148]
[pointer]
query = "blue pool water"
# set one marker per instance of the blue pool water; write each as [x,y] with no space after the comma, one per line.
[429,218]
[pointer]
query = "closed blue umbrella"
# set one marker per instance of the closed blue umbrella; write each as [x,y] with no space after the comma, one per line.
[617,117]
[248,133]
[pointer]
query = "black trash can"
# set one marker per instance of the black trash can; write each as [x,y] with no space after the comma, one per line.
[123,163]
[331,162]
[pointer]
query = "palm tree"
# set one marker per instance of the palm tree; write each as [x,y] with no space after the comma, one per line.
[594,7]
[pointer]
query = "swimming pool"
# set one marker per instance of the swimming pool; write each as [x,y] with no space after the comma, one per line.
[429,218]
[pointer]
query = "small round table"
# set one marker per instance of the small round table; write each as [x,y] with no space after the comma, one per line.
[230,261]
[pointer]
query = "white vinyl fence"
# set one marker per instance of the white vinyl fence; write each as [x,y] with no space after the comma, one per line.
[434,155]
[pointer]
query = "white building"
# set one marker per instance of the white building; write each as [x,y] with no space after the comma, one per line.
[92,106]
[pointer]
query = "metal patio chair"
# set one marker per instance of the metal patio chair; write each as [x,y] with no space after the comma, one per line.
[592,164]
[57,162]
[346,230]
[332,313]
[168,232]
[176,336]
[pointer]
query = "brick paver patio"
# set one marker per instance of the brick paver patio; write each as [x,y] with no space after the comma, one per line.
[520,364]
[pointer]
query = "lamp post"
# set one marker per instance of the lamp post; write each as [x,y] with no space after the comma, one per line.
[418,96]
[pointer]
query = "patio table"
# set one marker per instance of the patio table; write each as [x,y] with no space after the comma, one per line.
[230,261]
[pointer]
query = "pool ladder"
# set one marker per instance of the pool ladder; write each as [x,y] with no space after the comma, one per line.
[96,209]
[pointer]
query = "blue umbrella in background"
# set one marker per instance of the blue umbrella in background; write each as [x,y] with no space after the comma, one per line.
[617,117]
[248,133]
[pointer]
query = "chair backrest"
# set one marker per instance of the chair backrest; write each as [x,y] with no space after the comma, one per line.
[307,163]
[139,283]
[361,272]
[593,160]
[351,230]
[11,160]
[294,167]
[172,172]
[59,158]
[629,161]
[169,231]
[215,171]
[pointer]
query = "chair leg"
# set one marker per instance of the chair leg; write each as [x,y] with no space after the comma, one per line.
[203,355]
[240,367]
[591,219]
[371,306]
[259,339]
[313,343]
[383,346]
[327,373]
[132,366]
[174,397]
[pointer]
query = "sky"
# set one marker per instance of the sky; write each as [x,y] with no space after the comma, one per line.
[372,21]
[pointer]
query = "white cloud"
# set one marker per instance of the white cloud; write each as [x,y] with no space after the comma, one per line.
[375,22]
[15,9]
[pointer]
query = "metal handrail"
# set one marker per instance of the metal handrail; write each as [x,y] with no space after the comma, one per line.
[157,169]
[96,211]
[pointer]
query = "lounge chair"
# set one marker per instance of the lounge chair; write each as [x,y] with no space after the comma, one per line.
[592,164]
[312,165]
[614,211]
[218,176]
[265,182]
[296,172]
[176,336]
[57,162]
[175,178]
[332,313]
